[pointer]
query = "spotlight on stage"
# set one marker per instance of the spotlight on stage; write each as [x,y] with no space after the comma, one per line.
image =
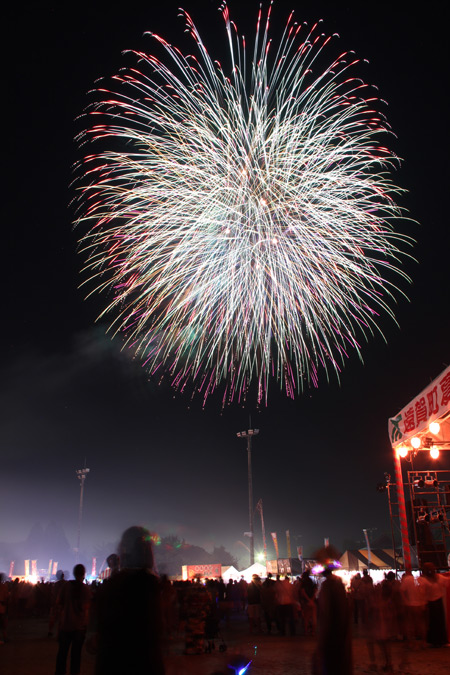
[436,516]
[422,516]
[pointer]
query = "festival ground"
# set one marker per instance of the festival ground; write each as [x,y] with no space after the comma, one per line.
[30,652]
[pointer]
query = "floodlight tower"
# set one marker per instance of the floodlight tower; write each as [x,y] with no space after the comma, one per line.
[249,435]
[81,473]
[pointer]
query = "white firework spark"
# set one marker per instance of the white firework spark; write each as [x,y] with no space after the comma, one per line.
[243,224]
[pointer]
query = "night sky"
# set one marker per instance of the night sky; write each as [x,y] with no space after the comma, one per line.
[68,392]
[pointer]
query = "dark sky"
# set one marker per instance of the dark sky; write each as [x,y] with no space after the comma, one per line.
[69,393]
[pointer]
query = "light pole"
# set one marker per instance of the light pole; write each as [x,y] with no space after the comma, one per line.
[386,487]
[259,507]
[249,435]
[81,473]
[369,552]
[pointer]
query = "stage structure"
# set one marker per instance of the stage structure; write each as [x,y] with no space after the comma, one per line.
[420,438]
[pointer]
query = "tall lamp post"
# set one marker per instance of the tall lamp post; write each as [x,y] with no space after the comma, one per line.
[81,473]
[249,435]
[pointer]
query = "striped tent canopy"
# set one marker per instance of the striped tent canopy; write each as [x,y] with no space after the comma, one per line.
[380,559]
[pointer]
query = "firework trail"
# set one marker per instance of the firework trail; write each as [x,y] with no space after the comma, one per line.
[240,224]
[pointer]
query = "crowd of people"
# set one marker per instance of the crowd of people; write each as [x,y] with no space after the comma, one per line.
[131,615]
[413,609]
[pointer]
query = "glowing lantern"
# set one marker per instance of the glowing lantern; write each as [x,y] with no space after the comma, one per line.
[402,451]
[434,427]
[434,452]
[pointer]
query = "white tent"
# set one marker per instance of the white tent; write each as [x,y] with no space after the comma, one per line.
[256,568]
[230,573]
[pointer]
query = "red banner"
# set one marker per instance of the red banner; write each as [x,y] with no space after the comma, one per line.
[431,404]
[202,571]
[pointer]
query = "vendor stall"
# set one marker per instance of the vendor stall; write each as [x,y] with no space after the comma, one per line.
[419,434]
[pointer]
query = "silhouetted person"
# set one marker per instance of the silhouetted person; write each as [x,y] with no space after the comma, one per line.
[129,612]
[54,607]
[383,603]
[307,597]
[254,604]
[268,602]
[73,602]
[242,593]
[434,588]
[197,606]
[4,597]
[232,594]
[113,563]
[169,603]
[334,649]
[355,584]
[365,590]
[285,599]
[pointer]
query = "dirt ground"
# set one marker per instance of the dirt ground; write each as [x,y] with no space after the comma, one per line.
[30,652]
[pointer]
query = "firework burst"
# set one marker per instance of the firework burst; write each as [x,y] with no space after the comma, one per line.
[242,224]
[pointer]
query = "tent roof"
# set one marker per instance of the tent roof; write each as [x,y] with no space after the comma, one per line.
[256,568]
[380,558]
[230,573]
